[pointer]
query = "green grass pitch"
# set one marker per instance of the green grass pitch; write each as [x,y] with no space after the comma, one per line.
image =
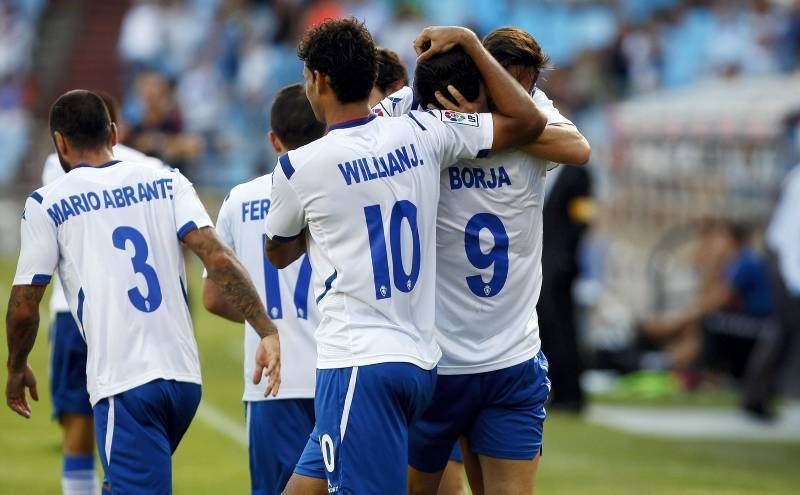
[579,458]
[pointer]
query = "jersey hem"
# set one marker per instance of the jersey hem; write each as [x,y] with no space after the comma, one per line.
[325,364]
[106,392]
[487,367]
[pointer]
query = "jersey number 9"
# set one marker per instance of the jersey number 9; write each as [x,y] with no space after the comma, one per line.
[497,256]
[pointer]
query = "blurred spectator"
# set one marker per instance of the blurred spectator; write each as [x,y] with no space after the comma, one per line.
[157,127]
[17,28]
[731,325]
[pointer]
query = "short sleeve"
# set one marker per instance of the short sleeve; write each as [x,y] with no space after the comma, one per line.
[455,135]
[38,254]
[190,214]
[547,107]
[286,216]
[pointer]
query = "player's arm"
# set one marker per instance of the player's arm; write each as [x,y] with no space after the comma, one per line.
[286,224]
[225,270]
[214,299]
[560,142]
[283,253]
[517,119]
[215,302]
[38,257]
[22,325]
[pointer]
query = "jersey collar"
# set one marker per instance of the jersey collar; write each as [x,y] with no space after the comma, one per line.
[353,123]
[107,164]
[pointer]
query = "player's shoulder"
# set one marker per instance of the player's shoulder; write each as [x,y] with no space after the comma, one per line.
[398,103]
[126,153]
[300,161]
[259,187]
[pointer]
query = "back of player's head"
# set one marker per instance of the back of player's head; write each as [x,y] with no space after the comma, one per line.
[292,118]
[82,119]
[344,51]
[436,73]
[513,46]
[391,71]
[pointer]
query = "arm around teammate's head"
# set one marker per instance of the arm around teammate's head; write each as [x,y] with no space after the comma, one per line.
[516,120]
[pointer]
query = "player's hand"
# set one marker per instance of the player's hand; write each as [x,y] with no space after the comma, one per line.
[463,105]
[268,361]
[18,381]
[440,39]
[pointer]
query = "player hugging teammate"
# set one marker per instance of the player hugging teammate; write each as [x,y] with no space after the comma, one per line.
[420,233]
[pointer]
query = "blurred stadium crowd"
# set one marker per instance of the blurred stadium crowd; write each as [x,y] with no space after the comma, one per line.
[198,74]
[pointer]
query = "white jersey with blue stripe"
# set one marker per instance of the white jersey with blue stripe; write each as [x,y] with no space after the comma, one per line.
[489,248]
[52,170]
[367,193]
[286,292]
[114,233]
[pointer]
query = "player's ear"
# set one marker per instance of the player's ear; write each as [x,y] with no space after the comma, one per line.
[321,82]
[61,143]
[277,145]
[114,136]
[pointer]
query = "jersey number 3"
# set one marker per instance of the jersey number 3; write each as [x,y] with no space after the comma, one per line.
[120,237]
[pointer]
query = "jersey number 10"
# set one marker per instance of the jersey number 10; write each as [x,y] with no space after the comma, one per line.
[404,282]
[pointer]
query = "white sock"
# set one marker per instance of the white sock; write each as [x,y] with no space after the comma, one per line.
[78,476]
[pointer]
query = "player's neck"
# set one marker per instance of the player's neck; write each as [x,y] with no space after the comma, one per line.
[347,112]
[92,158]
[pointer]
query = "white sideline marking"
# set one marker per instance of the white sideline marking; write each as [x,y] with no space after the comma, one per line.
[222,424]
[695,423]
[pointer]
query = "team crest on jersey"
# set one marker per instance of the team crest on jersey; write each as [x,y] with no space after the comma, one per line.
[377,111]
[452,117]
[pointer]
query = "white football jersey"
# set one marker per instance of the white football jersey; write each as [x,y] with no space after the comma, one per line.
[286,293]
[489,249]
[52,170]
[368,193]
[114,233]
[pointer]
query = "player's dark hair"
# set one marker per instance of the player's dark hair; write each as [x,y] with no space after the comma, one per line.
[436,73]
[292,118]
[82,118]
[343,50]
[514,46]
[390,70]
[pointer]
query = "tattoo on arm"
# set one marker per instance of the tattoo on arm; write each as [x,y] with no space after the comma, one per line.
[22,322]
[227,272]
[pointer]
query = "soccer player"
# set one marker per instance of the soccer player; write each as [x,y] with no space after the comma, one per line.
[392,76]
[364,200]
[114,229]
[71,406]
[493,378]
[278,428]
